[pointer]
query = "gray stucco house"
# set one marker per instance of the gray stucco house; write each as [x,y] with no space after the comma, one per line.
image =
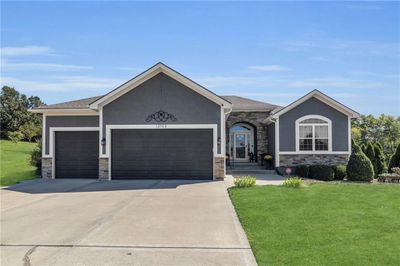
[161,124]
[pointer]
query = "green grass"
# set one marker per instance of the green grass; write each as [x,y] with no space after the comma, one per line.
[14,162]
[322,224]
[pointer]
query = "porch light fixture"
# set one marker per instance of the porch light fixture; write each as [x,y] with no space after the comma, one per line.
[103,141]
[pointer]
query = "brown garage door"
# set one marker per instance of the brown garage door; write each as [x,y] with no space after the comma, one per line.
[77,154]
[162,153]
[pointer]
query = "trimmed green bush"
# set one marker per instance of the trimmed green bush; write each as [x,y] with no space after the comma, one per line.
[293,182]
[370,152]
[340,171]
[245,181]
[303,170]
[379,160]
[359,167]
[395,159]
[321,172]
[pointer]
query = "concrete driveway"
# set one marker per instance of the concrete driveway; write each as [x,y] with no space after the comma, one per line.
[148,222]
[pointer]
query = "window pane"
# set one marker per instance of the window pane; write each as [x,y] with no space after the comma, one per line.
[306,144]
[321,144]
[321,132]
[305,131]
[313,121]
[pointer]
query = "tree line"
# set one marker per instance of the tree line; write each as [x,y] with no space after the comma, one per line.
[16,122]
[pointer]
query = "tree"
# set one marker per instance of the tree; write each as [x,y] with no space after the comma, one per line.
[15,136]
[384,130]
[30,130]
[395,160]
[370,152]
[359,167]
[379,159]
[14,110]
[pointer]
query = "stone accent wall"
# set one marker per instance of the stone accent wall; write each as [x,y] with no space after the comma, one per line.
[254,119]
[299,159]
[47,168]
[219,167]
[103,168]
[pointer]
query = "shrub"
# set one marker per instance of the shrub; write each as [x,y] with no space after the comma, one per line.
[379,159]
[36,157]
[245,181]
[303,170]
[340,171]
[30,130]
[371,156]
[15,136]
[294,182]
[395,159]
[321,172]
[359,167]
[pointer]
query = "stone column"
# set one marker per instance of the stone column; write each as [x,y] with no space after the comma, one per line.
[219,167]
[47,168]
[103,168]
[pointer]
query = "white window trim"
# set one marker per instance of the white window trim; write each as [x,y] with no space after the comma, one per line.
[329,123]
[214,128]
[52,131]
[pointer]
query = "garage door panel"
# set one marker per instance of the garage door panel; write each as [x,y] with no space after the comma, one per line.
[77,154]
[166,153]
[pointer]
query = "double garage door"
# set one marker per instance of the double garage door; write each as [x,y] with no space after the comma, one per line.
[137,154]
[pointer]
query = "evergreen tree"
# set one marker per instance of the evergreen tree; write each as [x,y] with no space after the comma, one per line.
[379,159]
[359,167]
[370,152]
[395,159]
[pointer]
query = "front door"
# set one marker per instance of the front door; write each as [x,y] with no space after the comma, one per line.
[240,146]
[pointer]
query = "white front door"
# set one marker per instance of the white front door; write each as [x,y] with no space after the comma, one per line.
[240,146]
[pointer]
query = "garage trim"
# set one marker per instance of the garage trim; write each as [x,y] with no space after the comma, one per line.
[159,127]
[52,147]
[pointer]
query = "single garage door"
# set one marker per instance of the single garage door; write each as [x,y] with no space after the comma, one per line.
[77,154]
[162,153]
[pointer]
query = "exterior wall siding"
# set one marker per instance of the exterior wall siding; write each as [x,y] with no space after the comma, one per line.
[287,160]
[68,121]
[161,93]
[287,124]
[254,119]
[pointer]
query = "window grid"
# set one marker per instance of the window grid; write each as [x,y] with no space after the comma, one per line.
[313,142]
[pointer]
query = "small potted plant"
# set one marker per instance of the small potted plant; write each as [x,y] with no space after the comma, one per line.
[268,161]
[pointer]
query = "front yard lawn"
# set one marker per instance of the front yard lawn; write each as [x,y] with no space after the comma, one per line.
[322,224]
[14,162]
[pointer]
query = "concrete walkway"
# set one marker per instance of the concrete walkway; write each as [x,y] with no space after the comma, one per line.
[148,222]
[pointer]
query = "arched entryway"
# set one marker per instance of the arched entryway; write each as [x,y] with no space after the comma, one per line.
[241,143]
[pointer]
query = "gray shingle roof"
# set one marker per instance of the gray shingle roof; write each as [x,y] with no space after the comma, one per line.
[77,104]
[245,104]
[238,104]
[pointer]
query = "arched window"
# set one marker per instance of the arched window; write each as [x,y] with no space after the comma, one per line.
[313,134]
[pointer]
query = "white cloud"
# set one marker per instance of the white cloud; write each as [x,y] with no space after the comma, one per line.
[25,50]
[268,68]
[6,66]
[62,83]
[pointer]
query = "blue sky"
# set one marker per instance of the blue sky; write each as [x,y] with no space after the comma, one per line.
[274,52]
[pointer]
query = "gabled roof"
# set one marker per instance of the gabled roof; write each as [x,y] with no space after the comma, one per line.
[320,96]
[248,105]
[151,72]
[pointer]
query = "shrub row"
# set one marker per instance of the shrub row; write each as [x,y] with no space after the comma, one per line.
[322,172]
